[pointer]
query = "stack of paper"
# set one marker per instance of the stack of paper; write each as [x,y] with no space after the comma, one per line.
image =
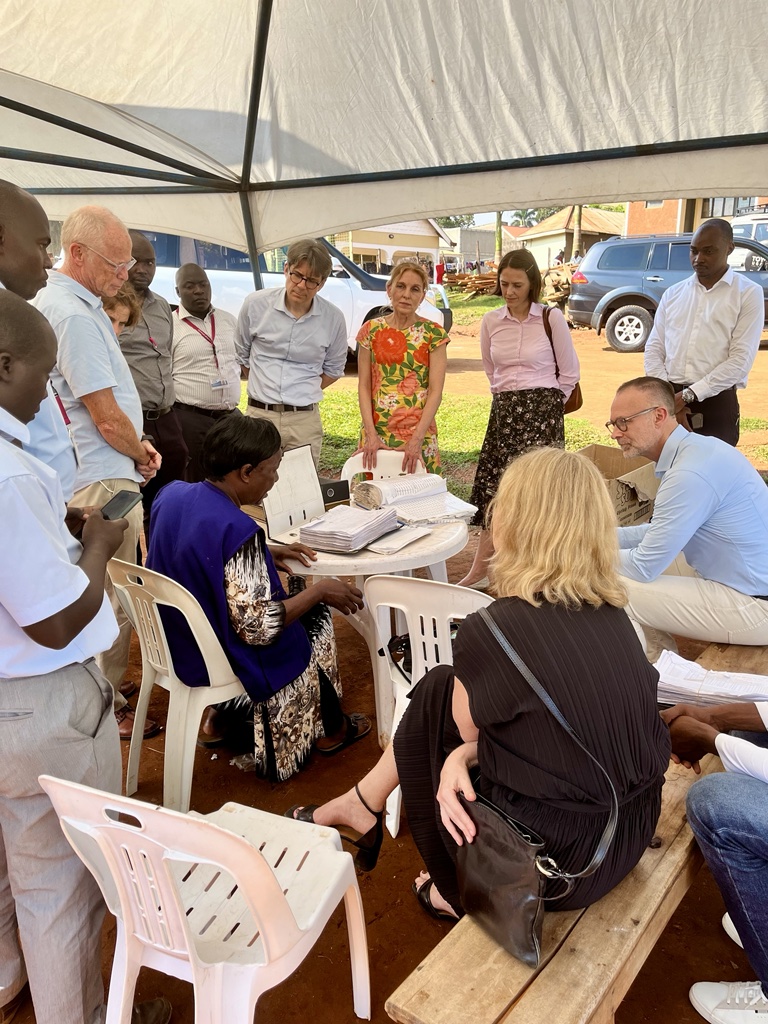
[343,530]
[685,682]
[416,499]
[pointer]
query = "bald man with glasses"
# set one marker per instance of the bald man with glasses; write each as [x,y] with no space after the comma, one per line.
[712,508]
[291,345]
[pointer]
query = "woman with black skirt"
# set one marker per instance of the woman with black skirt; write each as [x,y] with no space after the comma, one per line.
[529,388]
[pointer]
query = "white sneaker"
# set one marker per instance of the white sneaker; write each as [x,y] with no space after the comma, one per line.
[730,930]
[741,1002]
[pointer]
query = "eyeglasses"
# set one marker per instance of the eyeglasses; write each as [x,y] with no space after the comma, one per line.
[620,423]
[117,267]
[312,283]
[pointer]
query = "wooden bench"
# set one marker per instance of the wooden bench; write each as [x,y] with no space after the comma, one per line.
[589,957]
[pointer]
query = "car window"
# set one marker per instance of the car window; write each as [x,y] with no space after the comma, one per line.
[680,257]
[166,248]
[742,230]
[625,257]
[660,256]
[761,231]
[220,257]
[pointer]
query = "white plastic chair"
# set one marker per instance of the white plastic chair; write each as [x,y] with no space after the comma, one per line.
[141,592]
[232,902]
[429,609]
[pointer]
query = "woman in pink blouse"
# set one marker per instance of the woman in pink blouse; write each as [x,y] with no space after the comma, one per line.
[530,378]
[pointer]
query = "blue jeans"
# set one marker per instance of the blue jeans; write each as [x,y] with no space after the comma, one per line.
[729,817]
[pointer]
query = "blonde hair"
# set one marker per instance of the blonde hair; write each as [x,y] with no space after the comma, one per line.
[125,297]
[554,532]
[402,267]
[89,225]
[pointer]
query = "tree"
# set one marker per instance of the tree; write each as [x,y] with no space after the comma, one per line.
[456,220]
[613,207]
[545,211]
[523,218]
[577,243]
[497,252]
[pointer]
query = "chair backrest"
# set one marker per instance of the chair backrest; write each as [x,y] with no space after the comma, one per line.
[388,464]
[429,608]
[182,885]
[140,592]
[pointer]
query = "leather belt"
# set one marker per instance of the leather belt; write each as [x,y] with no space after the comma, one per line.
[213,413]
[155,414]
[280,408]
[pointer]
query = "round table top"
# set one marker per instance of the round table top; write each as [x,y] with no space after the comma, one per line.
[442,542]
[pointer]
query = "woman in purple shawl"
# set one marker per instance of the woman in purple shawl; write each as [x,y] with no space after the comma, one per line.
[281,645]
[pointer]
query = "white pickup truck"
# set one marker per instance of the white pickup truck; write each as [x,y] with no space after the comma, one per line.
[357,294]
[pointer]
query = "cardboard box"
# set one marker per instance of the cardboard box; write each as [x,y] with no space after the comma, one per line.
[632,483]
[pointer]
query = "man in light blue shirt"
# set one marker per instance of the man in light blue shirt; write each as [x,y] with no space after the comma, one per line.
[294,344]
[712,508]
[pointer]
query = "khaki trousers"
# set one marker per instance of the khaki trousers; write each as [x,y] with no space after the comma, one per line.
[114,662]
[296,428]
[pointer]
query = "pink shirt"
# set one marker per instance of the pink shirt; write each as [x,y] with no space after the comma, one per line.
[517,355]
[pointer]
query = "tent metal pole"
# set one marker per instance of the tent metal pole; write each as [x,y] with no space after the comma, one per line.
[250,234]
[30,156]
[257,77]
[93,133]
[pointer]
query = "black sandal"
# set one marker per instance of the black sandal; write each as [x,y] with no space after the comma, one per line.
[368,845]
[355,727]
[422,895]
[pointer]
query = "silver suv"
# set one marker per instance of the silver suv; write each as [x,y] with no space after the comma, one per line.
[619,283]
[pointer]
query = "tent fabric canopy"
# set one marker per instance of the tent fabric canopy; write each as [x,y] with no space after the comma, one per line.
[252,124]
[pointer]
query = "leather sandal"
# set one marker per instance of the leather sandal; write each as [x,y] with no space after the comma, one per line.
[355,727]
[368,844]
[422,895]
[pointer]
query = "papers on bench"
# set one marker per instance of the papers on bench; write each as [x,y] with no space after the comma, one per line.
[686,682]
[416,499]
[344,530]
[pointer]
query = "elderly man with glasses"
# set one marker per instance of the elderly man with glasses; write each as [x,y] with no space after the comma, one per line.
[293,345]
[96,394]
[711,508]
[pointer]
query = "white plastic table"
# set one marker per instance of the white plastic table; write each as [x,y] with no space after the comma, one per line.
[427,552]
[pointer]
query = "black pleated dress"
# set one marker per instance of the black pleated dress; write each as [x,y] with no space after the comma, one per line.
[593,666]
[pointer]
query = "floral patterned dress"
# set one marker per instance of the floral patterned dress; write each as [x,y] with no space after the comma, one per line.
[399,382]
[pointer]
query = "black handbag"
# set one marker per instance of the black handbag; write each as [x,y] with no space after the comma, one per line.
[502,873]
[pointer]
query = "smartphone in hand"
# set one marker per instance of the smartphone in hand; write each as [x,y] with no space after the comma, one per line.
[120,505]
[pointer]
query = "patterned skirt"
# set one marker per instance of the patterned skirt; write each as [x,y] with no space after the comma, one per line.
[519,420]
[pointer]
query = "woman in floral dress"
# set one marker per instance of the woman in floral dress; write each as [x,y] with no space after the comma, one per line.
[401,371]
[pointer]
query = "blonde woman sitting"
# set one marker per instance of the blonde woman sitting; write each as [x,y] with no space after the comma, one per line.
[561,605]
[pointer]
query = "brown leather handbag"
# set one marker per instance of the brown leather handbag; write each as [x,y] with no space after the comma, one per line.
[503,872]
[575,400]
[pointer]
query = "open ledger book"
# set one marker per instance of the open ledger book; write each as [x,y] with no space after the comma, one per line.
[344,530]
[416,499]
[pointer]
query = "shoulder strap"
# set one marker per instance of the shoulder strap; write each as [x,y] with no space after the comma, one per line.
[545,311]
[607,837]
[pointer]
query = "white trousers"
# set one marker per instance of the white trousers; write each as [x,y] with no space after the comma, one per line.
[68,730]
[682,602]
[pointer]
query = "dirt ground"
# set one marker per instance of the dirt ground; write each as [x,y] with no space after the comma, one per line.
[693,946]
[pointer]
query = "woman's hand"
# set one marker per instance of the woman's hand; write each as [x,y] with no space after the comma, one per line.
[298,552]
[372,444]
[342,596]
[412,455]
[454,779]
[691,740]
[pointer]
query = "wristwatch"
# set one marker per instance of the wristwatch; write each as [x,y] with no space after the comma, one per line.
[689,395]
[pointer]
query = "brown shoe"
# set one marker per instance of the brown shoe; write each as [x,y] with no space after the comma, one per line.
[125,717]
[127,688]
[9,1010]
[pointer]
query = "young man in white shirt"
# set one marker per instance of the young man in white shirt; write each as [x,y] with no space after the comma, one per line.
[728,813]
[55,706]
[706,334]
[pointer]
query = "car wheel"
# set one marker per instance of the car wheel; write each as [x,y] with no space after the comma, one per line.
[627,329]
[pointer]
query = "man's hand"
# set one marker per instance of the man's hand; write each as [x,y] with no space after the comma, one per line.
[682,411]
[454,779]
[342,596]
[690,711]
[298,552]
[76,517]
[244,371]
[691,740]
[104,533]
[149,468]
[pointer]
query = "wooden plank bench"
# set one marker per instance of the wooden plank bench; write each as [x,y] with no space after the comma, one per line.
[589,957]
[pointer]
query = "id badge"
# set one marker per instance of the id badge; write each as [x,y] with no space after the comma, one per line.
[219,384]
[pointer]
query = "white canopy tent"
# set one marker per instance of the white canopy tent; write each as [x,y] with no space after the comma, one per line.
[254,123]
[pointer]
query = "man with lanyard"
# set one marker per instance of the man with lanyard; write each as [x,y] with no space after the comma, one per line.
[147,350]
[206,373]
[706,334]
[55,706]
[95,385]
[294,345]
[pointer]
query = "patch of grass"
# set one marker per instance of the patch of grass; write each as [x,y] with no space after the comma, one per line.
[753,423]
[469,311]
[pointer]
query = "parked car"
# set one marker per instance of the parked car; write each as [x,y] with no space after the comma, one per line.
[619,283]
[357,294]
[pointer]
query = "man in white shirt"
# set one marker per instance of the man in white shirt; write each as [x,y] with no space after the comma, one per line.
[206,373]
[55,706]
[295,345]
[94,383]
[728,813]
[706,334]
